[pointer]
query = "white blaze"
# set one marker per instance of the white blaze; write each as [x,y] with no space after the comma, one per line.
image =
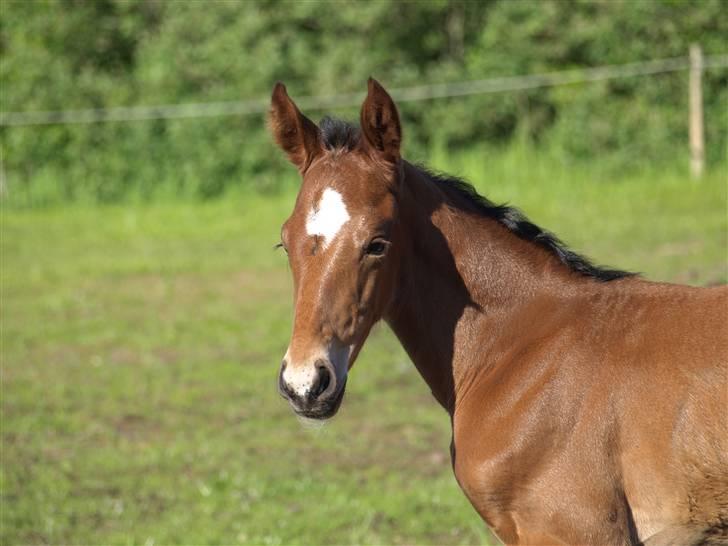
[328,217]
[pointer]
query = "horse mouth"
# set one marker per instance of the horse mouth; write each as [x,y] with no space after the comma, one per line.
[322,410]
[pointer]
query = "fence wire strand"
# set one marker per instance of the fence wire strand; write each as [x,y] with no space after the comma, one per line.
[401,94]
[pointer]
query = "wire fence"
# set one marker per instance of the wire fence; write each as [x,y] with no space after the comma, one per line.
[401,94]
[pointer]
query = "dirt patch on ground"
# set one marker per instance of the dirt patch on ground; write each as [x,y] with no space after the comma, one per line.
[680,248]
[715,276]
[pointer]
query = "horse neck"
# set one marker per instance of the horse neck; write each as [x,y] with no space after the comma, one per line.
[460,277]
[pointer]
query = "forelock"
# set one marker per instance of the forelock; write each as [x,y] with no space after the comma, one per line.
[337,134]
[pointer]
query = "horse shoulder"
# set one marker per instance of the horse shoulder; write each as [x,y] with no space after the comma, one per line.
[516,452]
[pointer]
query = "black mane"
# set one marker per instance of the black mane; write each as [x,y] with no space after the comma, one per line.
[338,134]
[519,225]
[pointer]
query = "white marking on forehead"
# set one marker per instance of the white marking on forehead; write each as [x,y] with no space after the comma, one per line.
[328,217]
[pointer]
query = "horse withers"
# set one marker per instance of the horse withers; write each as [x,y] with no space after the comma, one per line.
[588,406]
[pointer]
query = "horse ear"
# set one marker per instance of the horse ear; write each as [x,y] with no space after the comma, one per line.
[380,122]
[297,135]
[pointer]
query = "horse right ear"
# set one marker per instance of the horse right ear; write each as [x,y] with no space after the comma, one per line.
[380,122]
[297,135]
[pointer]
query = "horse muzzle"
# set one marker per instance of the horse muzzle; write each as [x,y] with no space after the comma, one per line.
[313,392]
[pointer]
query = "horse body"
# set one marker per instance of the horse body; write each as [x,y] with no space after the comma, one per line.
[596,429]
[588,406]
[621,385]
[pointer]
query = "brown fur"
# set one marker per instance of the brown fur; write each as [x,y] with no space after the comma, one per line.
[583,412]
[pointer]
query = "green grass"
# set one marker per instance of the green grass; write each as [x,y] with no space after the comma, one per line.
[140,346]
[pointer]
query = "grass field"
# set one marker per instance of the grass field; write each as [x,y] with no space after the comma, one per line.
[140,346]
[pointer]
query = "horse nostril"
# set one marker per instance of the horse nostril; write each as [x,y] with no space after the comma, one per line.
[323,380]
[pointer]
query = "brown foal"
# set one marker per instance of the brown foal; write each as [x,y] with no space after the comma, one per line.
[588,406]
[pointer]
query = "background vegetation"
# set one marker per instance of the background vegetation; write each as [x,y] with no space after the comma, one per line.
[59,55]
[143,312]
[140,346]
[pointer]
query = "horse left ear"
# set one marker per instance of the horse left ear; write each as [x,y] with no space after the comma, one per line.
[380,122]
[297,135]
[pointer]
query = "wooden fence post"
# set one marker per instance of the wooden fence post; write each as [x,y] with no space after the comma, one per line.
[3,181]
[697,142]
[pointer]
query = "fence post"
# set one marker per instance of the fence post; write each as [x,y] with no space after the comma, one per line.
[697,142]
[3,181]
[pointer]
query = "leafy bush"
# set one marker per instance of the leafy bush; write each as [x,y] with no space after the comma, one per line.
[65,55]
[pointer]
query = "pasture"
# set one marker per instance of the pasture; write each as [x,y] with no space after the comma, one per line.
[140,346]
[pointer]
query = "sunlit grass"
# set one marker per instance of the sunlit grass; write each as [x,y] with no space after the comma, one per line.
[140,346]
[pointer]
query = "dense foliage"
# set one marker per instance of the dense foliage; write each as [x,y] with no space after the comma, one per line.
[64,55]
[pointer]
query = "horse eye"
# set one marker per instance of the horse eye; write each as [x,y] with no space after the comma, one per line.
[377,247]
